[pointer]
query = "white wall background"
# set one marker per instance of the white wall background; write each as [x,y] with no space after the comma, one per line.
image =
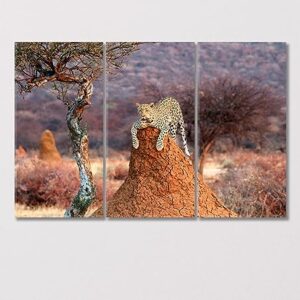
[147,259]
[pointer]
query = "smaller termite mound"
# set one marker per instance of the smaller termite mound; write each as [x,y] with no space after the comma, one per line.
[47,150]
[20,152]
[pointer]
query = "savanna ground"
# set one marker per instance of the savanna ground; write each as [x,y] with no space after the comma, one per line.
[253,184]
[46,190]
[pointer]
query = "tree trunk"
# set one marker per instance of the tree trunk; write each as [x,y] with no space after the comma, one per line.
[80,145]
[201,164]
[203,157]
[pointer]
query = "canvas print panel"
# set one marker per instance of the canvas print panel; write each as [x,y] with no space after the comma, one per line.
[242,120]
[150,88]
[58,121]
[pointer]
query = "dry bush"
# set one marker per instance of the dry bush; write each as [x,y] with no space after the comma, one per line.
[254,184]
[117,165]
[111,187]
[117,171]
[234,108]
[121,172]
[39,184]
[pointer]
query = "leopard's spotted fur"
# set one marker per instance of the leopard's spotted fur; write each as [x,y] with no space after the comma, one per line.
[165,115]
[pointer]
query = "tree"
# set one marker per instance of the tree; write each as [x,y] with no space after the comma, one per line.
[116,54]
[70,70]
[234,108]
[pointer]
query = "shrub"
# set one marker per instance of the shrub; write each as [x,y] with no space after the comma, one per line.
[121,172]
[117,167]
[41,184]
[255,185]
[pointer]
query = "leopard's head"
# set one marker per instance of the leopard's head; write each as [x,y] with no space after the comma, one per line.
[146,112]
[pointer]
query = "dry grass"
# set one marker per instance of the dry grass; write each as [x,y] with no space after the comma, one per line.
[252,184]
[23,211]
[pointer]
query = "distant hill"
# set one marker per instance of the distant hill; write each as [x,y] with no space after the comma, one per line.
[158,64]
[167,64]
[155,66]
[265,62]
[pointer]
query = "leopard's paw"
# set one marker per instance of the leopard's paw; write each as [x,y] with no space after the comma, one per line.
[159,146]
[135,144]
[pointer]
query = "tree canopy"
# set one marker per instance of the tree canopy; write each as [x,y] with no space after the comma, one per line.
[235,108]
[66,66]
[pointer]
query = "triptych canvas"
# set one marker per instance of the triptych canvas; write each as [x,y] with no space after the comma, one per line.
[150,130]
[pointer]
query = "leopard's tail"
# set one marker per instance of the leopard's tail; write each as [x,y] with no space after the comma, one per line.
[182,132]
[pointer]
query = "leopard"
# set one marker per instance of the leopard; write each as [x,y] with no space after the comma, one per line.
[165,115]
